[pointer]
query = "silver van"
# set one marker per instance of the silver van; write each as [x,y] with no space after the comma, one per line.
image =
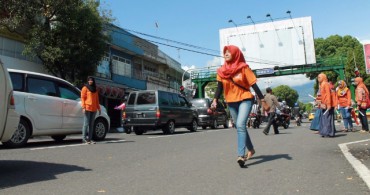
[9,119]
[155,109]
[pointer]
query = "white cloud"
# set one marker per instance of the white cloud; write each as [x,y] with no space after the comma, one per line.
[215,62]
[187,67]
[291,80]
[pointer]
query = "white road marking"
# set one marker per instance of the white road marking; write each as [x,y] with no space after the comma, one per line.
[360,168]
[74,145]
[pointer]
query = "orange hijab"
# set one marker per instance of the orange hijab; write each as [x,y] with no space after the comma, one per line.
[361,84]
[229,69]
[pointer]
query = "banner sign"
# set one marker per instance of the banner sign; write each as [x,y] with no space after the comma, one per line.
[367,57]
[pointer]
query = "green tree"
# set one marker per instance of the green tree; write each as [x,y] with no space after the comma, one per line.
[66,35]
[286,93]
[335,50]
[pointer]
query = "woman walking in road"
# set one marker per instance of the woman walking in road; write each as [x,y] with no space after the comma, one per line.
[90,105]
[327,128]
[235,78]
[362,96]
[345,103]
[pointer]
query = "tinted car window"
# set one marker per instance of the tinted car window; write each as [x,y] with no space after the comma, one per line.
[17,81]
[40,86]
[175,100]
[163,98]
[182,101]
[131,100]
[146,98]
[68,92]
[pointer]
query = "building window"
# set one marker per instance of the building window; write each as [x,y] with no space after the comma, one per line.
[121,66]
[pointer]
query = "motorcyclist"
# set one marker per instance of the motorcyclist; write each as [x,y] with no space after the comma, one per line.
[297,114]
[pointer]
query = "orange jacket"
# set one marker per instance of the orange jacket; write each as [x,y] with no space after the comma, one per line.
[345,100]
[89,100]
[326,96]
[234,93]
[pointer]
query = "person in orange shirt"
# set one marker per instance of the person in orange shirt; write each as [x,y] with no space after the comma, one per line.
[362,96]
[327,128]
[235,78]
[344,105]
[90,105]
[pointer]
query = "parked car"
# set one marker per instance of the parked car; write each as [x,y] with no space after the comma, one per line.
[155,109]
[49,106]
[209,117]
[9,119]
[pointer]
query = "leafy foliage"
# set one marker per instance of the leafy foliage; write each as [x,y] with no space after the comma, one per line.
[340,49]
[286,93]
[67,35]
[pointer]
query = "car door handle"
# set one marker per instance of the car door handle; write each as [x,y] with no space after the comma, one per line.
[31,98]
[66,103]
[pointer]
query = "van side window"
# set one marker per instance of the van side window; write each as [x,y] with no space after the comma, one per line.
[175,100]
[163,98]
[131,100]
[40,86]
[146,98]
[68,92]
[17,81]
[182,101]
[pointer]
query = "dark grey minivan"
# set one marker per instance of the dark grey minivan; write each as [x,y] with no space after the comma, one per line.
[155,109]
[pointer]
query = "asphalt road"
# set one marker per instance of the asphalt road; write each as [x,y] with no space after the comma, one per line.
[293,162]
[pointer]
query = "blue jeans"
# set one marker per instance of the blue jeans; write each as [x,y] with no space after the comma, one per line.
[88,125]
[240,113]
[347,119]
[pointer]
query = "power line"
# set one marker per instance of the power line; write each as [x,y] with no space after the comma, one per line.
[261,61]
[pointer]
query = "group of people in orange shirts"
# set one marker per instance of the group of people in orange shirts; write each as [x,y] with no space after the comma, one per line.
[330,98]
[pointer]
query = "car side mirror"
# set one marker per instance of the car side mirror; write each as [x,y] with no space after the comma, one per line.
[190,104]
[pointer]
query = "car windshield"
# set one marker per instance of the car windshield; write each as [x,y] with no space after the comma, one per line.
[199,103]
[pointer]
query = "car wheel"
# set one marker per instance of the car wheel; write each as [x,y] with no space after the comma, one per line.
[226,125]
[194,125]
[100,130]
[20,136]
[286,126]
[58,138]
[138,131]
[128,130]
[214,125]
[169,128]
[204,127]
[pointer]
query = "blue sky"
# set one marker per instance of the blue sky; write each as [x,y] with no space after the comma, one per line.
[197,22]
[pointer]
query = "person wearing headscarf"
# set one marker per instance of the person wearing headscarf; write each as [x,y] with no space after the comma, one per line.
[90,106]
[344,105]
[327,128]
[362,96]
[236,78]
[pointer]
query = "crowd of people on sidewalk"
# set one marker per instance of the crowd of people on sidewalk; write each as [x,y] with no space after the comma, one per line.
[329,99]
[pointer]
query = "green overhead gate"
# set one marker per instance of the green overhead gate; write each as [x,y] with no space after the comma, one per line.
[202,77]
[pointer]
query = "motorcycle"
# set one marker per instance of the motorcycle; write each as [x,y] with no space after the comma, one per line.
[283,118]
[254,121]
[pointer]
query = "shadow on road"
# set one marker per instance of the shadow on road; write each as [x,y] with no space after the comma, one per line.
[15,173]
[265,158]
[35,143]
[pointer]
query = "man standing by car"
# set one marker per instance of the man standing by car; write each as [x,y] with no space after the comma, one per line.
[273,103]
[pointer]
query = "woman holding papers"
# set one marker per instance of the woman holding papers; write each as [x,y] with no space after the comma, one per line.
[327,128]
[362,96]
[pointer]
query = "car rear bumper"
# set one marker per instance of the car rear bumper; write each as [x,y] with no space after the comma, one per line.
[204,120]
[152,124]
[11,126]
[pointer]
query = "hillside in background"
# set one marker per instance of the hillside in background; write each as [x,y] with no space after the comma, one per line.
[304,90]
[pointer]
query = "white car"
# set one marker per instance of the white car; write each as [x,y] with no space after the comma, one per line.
[9,119]
[50,106]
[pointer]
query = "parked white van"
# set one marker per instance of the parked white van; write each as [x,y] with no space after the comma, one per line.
[9,119]
[50,106]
